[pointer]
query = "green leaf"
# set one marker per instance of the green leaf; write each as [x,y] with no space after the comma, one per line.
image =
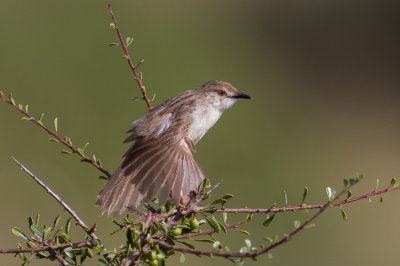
[248,244]
[205,240]
[187,244]
[346,182]
[305,192]
[12,100]
[394,183]
[41,117]
[80,152]
[344,215]
[128,41]
[213,223]
[37,218]
[270,240]
[37,231]
[112,25]
[68,225]
[113,44]
[242,231]
[348,194]
[308,226]
[381,199]
[249,217]
[269,219]
[216,245]
[66,152]
[16,231]
[26,108]
[53,139]
[56,124]
[285,196]
[377,184]
[296,224]
[182,258]
[56,221]
[331,194]
[26,261]
[30,222]
[225,217]
[223,228]
[243,250]
[25,118]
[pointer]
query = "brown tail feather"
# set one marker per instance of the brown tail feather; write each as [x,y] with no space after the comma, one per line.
[150,167]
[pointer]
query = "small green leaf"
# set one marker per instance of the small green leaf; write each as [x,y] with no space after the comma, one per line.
[187,244]
[305,192]
[308,226]
[269,239]
[344,215]
[80,152]
[16,231]
[125,56]
[37,231]
[112,25]
[30,222]
[37,218]
[248,244]
[53,139]
[296,224]
[243,250]
[56,221]
[66,152]
[20,107]
[84,147]
[25,118]
[249,217]
[331,194]
[12,101]
[113,44]
[269,219]
[285,196]
[68,225]
[381,199]
[56,124]
[242,231]
[346,182]
[225,217]
[394,183]
[41,116]
[213,223]
[216,245]
[128,41]
[182,258]
[205,240]
[26,261]
[377,184]
[348,194]
[26,108]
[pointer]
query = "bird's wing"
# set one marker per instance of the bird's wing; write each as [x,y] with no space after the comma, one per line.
[164,164]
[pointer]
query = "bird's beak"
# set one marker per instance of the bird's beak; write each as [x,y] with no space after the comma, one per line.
[240,95]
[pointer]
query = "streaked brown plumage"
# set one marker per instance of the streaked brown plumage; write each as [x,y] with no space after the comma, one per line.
[160,159]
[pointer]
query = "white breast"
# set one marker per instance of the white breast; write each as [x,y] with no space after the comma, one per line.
[203,120]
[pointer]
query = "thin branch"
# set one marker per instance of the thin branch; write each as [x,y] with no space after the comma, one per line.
[59,200]
[55,135]
[88,244]
[127,56]
[323,207]
[303,206]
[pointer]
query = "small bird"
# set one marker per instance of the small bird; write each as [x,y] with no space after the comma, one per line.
[160,159]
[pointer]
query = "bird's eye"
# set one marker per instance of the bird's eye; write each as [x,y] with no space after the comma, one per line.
[221,93]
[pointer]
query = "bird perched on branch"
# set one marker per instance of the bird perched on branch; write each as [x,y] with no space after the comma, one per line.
[160,159]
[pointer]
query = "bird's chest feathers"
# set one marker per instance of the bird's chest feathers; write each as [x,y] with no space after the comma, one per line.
[202,120]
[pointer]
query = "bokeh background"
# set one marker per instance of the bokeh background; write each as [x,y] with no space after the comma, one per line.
[325,80]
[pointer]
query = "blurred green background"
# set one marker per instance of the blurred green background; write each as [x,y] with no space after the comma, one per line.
[325,80]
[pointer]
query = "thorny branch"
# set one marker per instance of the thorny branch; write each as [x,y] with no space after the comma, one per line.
[125,48]
[54,134]
[77,219]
